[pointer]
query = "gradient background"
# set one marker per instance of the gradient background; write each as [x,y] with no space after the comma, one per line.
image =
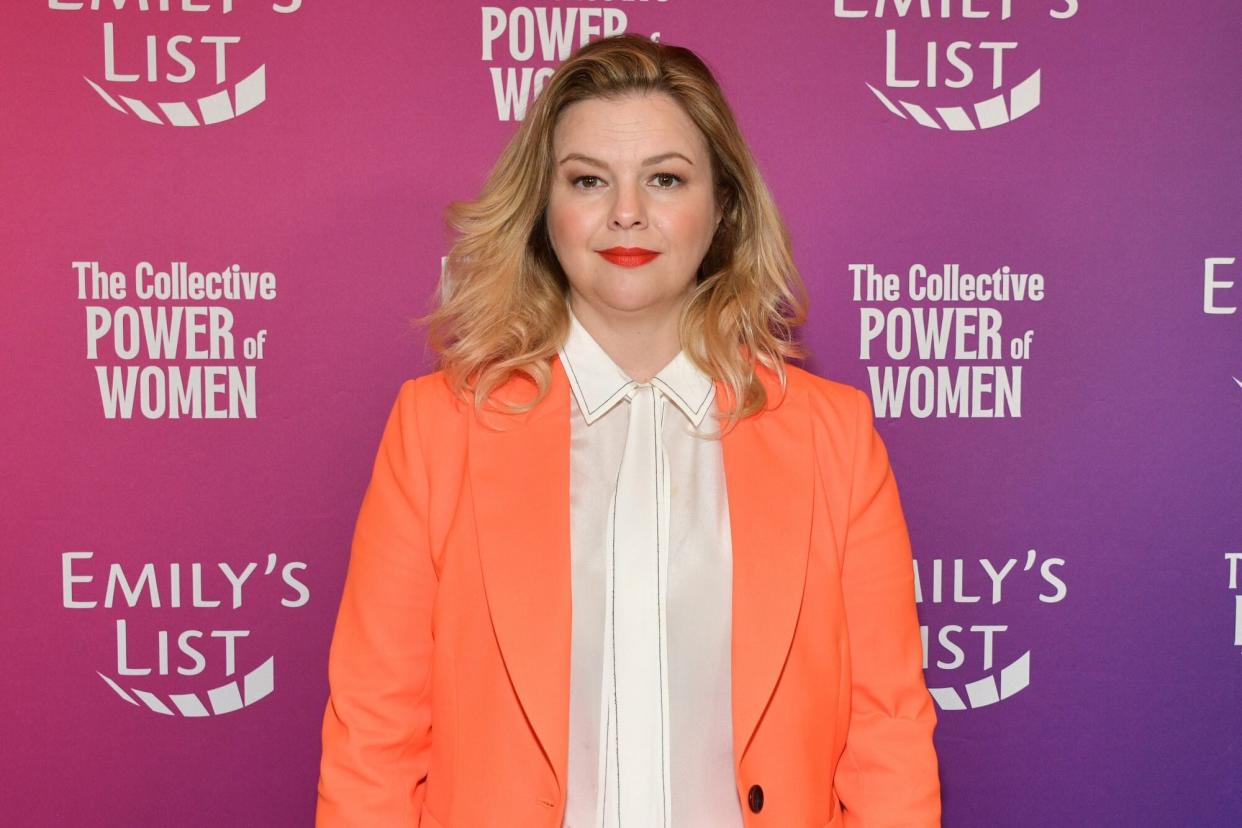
[1124,462]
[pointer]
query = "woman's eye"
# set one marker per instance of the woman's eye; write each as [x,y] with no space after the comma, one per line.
[664,181]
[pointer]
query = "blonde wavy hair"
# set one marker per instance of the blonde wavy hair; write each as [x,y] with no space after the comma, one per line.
[502,308]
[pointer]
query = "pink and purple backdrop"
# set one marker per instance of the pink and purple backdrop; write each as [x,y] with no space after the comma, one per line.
[1078,535]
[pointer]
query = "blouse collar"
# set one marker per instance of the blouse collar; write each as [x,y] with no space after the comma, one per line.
[598,383]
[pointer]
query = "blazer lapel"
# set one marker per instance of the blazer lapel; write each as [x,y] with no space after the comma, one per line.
[519,480]
[769,475]
[520,484]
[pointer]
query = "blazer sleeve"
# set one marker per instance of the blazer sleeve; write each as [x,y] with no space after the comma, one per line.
[377,725]
[888,775]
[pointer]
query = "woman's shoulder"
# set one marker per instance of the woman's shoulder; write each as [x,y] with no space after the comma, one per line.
[837,402]
[842,425]
[426,403]
[431,388]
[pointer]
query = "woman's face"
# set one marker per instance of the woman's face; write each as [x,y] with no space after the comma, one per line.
[634,173]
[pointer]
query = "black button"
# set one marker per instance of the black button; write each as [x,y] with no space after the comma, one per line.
[755,798]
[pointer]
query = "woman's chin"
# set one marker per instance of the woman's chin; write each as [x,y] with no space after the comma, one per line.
[634,293]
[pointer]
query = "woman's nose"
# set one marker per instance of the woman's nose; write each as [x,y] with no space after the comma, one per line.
[628,209]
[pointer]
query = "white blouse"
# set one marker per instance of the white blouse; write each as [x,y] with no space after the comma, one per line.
[698,599]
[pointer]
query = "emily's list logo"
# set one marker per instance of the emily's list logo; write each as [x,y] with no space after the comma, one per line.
[149,61]
[976,660]
[981,68]
[184,631]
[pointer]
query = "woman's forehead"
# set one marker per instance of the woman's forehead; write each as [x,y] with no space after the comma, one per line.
[631,126]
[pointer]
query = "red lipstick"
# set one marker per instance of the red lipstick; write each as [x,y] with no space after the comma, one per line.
[628,256]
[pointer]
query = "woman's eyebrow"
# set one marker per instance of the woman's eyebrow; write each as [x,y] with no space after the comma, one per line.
[655,159]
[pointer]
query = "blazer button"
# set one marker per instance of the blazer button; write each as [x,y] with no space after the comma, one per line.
[755,798]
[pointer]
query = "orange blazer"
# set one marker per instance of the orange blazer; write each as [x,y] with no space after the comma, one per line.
[449,665]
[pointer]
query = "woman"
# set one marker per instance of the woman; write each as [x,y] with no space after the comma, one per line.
[573,598]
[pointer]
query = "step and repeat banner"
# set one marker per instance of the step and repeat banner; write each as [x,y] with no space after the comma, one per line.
[1020,222]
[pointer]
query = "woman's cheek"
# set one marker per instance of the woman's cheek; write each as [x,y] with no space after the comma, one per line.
[572,225]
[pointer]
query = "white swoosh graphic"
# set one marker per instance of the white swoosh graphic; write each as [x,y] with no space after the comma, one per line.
[255,685]
[993,112]
[1014,677]
[248,93]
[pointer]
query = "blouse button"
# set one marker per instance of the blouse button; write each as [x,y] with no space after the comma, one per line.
[755,798]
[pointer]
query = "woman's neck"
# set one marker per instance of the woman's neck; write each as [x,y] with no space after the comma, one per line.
[640,342]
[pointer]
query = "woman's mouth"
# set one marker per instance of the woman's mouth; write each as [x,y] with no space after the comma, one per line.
[628,256]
